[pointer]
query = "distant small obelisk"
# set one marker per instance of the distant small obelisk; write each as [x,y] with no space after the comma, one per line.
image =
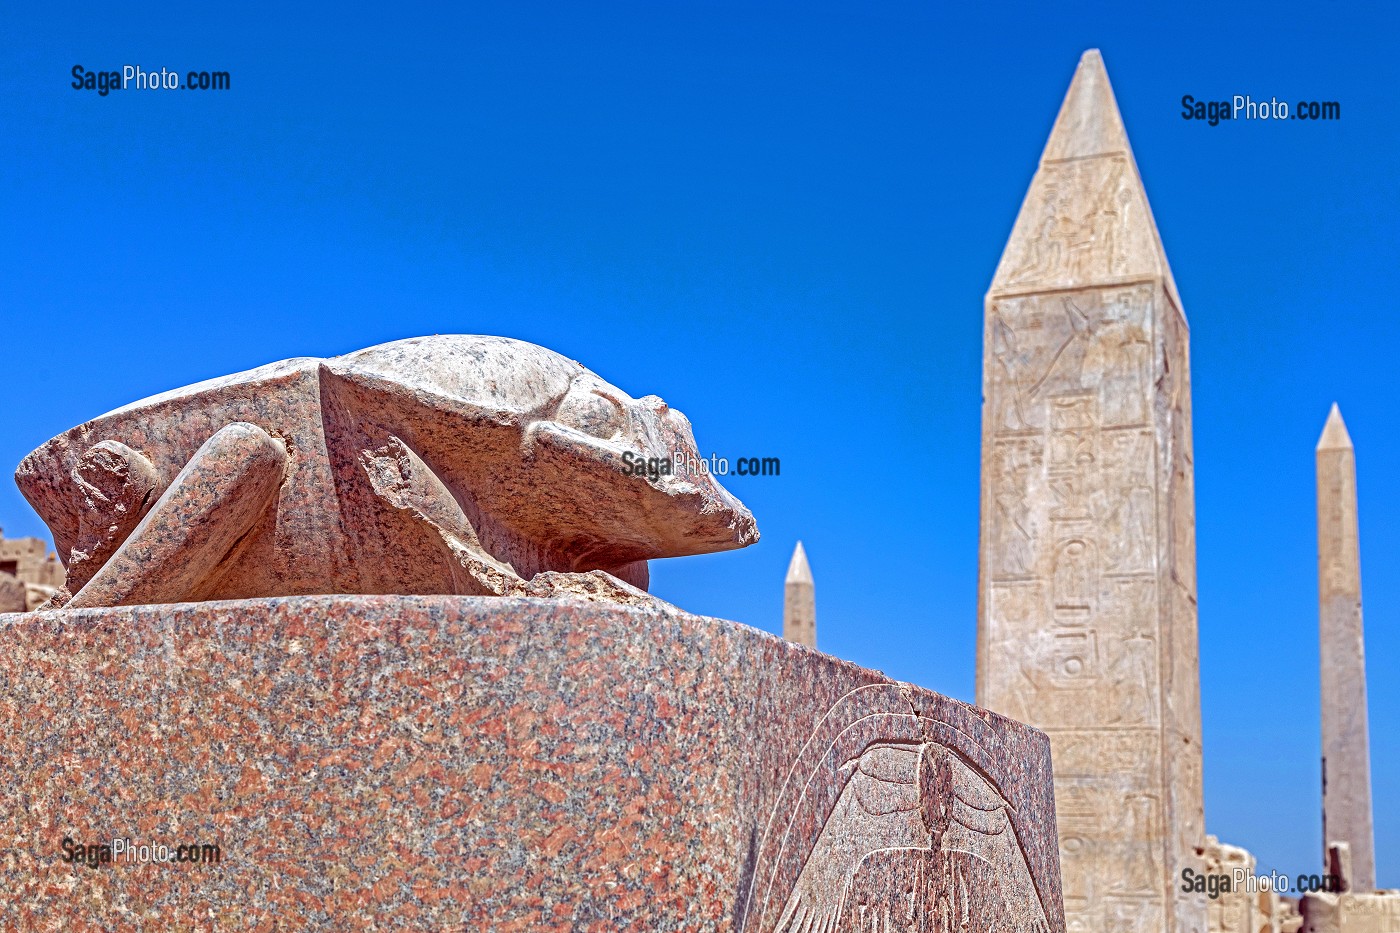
[800,601]
[1346,756]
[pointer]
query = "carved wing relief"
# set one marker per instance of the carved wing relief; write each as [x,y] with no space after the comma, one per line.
[894,829]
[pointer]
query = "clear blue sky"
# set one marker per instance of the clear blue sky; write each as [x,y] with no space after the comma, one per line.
[781,218]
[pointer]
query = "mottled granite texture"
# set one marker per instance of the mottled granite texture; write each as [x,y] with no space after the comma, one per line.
[506,764]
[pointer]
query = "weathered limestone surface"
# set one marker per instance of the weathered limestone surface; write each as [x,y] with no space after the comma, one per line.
[1352,912]
[1346,755]
[1288,918]
[1287,915]
[503,764]
[1237,910]
[1087,609]
[800,601]
[28,563]
[12,595]
[445,464]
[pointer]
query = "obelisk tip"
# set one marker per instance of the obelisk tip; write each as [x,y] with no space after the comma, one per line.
[798,569]
[1334,433]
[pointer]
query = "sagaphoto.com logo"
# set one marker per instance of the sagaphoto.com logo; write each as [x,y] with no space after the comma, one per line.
[134,77]
[1244,107]
[713,465]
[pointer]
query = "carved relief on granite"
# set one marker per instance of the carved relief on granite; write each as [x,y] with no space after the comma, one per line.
[895,818]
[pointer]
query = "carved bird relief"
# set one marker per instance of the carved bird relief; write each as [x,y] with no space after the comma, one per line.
[917,841]
[907,812]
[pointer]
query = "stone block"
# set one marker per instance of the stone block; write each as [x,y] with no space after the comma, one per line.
[1370,912]
[505,764]
[12,594]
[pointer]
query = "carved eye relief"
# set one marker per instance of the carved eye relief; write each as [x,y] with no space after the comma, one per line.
[594,414]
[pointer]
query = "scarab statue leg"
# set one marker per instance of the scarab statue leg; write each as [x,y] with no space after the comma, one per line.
[213,502]
[401,478]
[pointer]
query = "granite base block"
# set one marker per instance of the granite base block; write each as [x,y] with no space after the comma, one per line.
[461,763]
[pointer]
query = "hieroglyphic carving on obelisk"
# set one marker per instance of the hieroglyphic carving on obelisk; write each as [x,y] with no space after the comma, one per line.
[1346,756]
[800,601]
[1087,577]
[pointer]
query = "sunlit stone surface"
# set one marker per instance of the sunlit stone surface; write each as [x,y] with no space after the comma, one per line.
[1087,621]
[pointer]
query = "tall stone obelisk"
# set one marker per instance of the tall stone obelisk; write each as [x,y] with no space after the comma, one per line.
[800,601]
[1346,755]
[1087,571]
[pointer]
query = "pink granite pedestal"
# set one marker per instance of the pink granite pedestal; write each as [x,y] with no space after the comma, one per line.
[458,763]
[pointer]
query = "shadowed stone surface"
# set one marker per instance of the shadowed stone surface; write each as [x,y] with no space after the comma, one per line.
[12,595]
[445,464]
[1087,609]
[503,764]
[1346,754]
